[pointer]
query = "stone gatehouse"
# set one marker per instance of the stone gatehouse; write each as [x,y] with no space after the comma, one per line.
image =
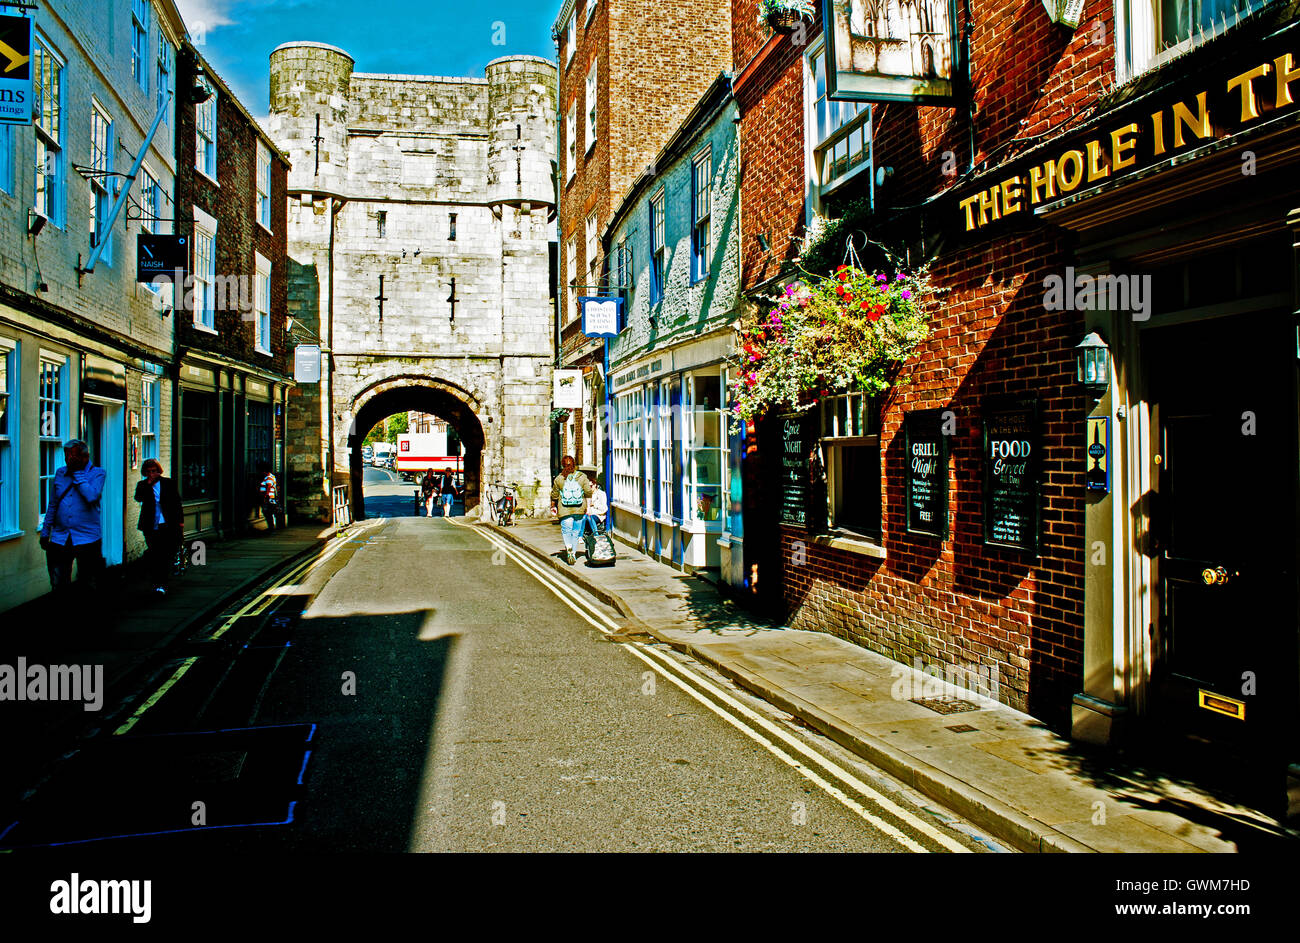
[421,209]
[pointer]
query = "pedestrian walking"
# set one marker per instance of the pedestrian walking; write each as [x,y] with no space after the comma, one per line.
[569,494]
[72,531]
[161,522]
[268,496]
[429,491]
[447,491]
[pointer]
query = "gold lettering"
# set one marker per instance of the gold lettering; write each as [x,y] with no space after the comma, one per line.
[1069,183]
[1286,74]
[1043,178]
[1245,84]
[1011,194]
[1117,147]
[1096,169]
[970,217]
[1198,124]
[1158,127]
[989,202]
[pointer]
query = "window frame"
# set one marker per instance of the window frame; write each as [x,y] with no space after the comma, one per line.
[149,413]
[591,9]
[860,429]
[10,436]
[658,247]
[571,38]
[205,145]
[51,446]
[204,271]
[103,186]
[591,93]
[571,142]
[53,185]
[262,305]
[7,159]
[1144,20]
[140,22]
[571,270]
[593,246]
[696,446]
[848,118]
[164,65]
[262,200]
[701,246]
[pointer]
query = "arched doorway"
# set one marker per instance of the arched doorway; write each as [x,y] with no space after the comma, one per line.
[421,394]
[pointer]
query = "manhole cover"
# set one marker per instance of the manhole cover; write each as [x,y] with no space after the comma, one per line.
[946,705]
[960,728]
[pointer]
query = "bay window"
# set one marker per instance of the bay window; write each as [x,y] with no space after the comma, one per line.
[839,133]
[627,448]
[706,446]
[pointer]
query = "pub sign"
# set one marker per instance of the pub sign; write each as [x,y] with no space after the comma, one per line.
[873,54]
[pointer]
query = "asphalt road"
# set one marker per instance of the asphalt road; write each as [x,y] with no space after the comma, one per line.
[420,691]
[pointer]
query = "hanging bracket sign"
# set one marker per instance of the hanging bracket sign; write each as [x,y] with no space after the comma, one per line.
[15,70]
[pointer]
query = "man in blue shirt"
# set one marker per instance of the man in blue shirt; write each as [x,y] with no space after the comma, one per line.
[72,529]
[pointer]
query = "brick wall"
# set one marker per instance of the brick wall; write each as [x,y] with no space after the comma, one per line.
[952,602]
[232,200]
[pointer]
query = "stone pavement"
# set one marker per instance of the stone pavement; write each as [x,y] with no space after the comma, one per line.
[127,629]
[999,768]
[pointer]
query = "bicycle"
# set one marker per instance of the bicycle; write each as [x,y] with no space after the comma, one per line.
[504,504]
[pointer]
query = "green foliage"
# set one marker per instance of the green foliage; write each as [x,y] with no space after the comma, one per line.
[848,332]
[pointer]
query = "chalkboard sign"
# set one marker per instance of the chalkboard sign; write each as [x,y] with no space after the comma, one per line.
[1011,476]
[794,471]
[926,450]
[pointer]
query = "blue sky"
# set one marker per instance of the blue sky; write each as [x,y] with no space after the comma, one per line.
[429,37]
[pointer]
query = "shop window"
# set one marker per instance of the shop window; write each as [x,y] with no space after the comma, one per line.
[666,447]
[1151,32]
[149,418]
[627,448]
[198,455]
[52,414]
[8,436]
[706,447]
[851,453]
[261,437]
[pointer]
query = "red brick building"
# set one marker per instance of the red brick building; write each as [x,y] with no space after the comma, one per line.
[232,343]
[629,74]
[1127,186]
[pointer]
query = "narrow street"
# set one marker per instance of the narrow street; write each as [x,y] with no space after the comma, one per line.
[418,689]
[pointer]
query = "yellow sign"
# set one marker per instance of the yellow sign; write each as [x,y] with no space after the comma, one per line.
[1181,124]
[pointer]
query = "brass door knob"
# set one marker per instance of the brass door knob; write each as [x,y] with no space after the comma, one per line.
[1216,576]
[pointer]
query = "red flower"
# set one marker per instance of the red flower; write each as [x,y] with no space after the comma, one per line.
[848,296]
[865,305]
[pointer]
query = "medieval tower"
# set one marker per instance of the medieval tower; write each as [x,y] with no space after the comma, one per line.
[420,214]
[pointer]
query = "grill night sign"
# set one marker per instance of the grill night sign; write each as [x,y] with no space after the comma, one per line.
[1259,92]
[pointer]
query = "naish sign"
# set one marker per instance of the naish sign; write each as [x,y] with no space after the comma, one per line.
[1145,133]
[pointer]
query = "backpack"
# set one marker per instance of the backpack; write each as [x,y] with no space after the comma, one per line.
[571,494]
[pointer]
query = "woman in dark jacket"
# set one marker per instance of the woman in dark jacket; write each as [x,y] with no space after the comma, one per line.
[429,490]
[161,521]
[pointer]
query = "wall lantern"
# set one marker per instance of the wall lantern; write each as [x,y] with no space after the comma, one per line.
[1094,364]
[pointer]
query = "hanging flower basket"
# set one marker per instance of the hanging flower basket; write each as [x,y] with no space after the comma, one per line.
[784,16]
[559,415]
[847,332]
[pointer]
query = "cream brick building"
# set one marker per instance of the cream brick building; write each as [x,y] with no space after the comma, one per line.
[421,211]
[84,354]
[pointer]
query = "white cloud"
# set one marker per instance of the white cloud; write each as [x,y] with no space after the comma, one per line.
[202,16]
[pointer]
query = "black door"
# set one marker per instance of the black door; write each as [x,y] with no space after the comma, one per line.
[1224,543]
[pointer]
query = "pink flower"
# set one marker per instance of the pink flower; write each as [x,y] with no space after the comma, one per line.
[906,294]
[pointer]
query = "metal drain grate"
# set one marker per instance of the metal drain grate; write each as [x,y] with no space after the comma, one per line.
[945,705]
[960,728]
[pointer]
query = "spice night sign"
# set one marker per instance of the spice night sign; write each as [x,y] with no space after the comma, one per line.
[1152,130]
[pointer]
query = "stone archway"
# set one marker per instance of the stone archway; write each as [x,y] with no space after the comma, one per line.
[424,394]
